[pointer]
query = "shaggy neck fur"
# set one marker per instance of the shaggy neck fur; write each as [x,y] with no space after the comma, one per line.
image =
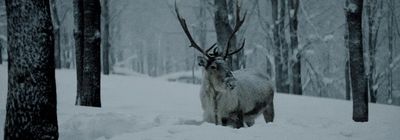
[216,88]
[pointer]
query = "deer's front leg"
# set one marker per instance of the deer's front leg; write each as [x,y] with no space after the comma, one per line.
[235,120]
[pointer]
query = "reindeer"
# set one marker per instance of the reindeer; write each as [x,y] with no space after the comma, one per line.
[231,98]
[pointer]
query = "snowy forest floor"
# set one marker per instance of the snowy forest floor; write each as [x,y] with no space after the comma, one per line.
[136,107]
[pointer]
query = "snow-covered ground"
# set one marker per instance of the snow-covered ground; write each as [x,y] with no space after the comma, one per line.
[136,107]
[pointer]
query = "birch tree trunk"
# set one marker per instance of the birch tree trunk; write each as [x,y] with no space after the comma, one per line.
[31,100]
[357,69]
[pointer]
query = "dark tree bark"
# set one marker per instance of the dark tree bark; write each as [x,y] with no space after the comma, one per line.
[1,53]
[295,64]
[105,38]
[31,100]
[347,67]
[371,52]
[87,37]
[269,66]
[277,48]
[223,30]
[390,25]
[2,16]
[347,79]
[78,36]
[280,47]
[284,48]
[357,69]
[57,34]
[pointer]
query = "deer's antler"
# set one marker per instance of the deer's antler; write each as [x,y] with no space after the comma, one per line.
[193,44]
[238,24]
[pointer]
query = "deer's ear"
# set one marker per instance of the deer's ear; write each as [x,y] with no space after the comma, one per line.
[202,61]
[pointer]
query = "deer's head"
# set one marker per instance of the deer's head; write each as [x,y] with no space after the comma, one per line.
[215,63]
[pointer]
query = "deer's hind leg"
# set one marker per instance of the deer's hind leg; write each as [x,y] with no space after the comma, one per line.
[269,112]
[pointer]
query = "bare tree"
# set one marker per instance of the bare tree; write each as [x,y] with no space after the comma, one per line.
[347,67]
[390,20]
[373,7]
[347,79]
[105,37]
[31,100]
[280,45]
[284,47]
[296,86]
[87,37]
[1,54]
[357,71]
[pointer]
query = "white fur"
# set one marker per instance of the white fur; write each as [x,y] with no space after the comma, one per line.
[219,100]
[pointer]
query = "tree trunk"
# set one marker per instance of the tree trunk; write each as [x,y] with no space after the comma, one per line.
[280,49]
[57,35]
[31,100]
[105,40]
[269,66]
[372,8]
[347,67]
[347,79]
[1,52]
[277,48]
[223,30]
[357,69]
[87,14]
[295,63]
[284,48]
[78,35]
[390,25]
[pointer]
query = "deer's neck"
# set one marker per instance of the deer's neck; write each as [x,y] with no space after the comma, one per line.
[213,94]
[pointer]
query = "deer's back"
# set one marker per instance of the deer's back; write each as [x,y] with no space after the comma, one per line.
[252,87]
